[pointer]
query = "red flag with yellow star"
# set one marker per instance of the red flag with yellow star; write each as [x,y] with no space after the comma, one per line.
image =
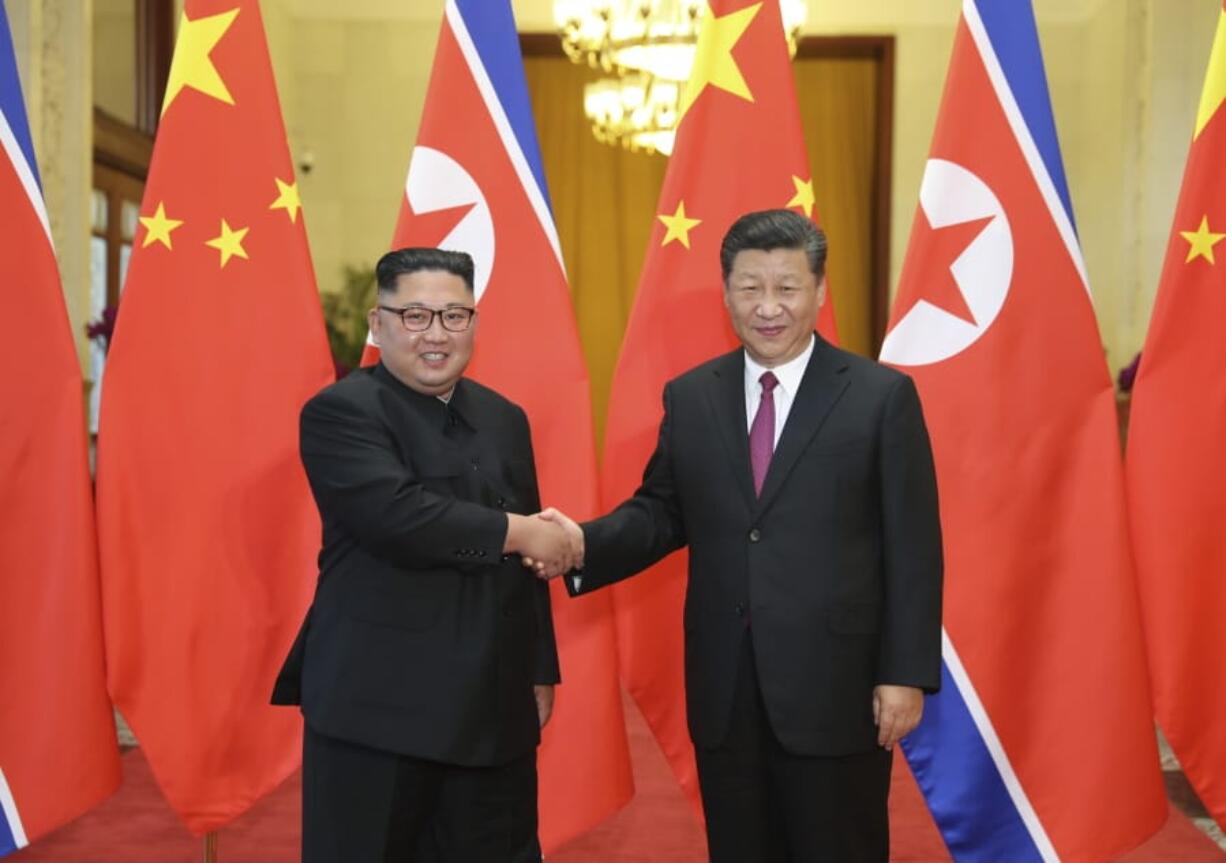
[739,148]
[207,529]
[1176,460]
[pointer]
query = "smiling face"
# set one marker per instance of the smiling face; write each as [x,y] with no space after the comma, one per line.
[773,298]
[431,361]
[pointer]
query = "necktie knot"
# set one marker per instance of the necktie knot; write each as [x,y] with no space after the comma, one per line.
[768,381]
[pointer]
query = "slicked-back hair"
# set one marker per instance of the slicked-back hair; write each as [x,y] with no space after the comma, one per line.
[395,264]
[767,230]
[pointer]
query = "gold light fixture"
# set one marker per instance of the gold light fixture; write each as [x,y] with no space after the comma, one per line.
[646,50]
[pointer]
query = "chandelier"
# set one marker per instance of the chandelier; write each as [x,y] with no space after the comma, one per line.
[645,48]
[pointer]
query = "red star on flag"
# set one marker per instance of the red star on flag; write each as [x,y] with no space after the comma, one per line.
[429,229]
[936,251]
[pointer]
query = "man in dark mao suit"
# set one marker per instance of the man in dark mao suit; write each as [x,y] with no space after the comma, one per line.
[801,478]
[425,667]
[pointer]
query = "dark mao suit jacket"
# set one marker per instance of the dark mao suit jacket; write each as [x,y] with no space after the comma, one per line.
[424,638]
[836,569]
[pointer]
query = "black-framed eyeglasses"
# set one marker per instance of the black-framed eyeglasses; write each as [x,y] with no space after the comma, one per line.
[418,319]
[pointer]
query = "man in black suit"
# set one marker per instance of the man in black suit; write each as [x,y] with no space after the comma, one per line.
[801,478]
[425,667]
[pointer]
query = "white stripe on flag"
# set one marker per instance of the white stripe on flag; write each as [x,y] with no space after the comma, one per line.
[526,178]
[24,173]
[982,722]
[1024,139]
[9,806]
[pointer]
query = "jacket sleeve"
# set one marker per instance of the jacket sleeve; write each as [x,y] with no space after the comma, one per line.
[642,530]
[911,546]
[360,483]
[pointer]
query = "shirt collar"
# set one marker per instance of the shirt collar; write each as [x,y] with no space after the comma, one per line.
[789,374]
[458,407]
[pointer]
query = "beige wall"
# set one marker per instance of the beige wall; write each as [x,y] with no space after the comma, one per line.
[53,44]
[352,90]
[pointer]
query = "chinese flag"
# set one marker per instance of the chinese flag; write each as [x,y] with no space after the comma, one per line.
[1040,743]
[58,753]
[1176,465]
[739,148]
[475,184]
[208,531]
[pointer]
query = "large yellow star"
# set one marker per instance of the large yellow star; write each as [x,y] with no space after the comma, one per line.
[804,195]
[191,65]
[229,242]
[1214,91]
[1201,242]
[679,226]
[158,227]
[713,63]
[287,199]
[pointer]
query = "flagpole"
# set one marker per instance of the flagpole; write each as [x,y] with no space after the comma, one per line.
[210,847]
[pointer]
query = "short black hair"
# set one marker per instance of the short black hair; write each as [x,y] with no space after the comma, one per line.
[767,230]
[397,263]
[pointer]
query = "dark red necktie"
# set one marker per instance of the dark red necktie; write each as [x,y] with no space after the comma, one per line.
[762,432]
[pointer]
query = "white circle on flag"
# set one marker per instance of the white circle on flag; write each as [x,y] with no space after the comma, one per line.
[950,195]
[438,182]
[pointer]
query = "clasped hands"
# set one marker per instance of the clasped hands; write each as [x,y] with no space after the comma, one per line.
[549,542]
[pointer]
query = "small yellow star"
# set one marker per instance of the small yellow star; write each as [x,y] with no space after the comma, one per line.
[191,65]
[713,61]
[1201,242]
[679,226]
[804,195]
[287,199]
[158,227]
[229,242]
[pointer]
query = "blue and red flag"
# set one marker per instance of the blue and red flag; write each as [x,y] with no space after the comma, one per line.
[58,752]
[1040,744]
[476,184]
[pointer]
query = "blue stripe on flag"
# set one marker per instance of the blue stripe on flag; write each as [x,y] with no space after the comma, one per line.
[8,844]
[12,106]
[1015,39]
[964,789]
[492,28]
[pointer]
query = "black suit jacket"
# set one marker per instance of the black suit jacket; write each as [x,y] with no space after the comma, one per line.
[424,638]
[836,568]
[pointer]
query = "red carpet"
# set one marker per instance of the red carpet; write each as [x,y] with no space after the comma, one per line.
[136,826]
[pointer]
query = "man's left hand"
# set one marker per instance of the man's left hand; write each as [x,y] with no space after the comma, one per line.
[896,710]
[544,702]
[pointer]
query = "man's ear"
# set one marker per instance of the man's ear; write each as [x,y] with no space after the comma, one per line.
[373,324]
[821,292]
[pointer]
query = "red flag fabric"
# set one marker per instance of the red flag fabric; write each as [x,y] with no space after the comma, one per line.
[1176,463]
[1040,744]
[739,148]
[58,752]
[207,528]
[476,184]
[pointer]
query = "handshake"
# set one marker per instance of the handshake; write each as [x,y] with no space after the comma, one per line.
[549,542]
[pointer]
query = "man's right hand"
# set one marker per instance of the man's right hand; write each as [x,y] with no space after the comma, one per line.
[545,544]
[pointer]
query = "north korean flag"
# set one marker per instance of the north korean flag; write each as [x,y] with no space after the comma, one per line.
[1040,744]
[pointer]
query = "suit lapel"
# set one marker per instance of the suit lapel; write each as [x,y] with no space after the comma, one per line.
[822,385]
[726,396]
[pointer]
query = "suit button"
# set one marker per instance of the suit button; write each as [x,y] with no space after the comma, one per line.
[755,535]
[505,558]
[502,503]
[481,553]
[740,609]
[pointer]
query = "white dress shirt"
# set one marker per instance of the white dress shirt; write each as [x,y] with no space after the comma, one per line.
[789,375]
